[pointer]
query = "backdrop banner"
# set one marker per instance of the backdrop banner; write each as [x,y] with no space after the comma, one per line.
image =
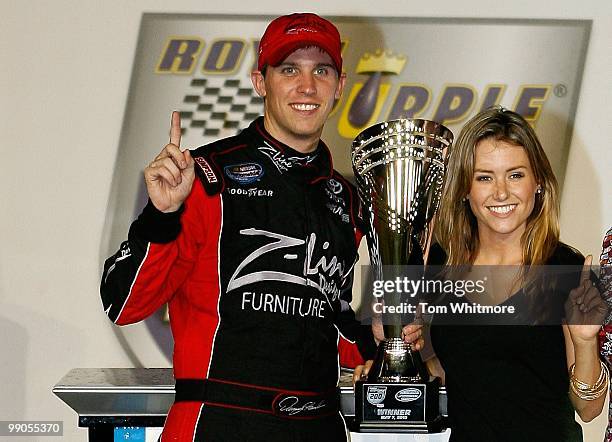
[440,69]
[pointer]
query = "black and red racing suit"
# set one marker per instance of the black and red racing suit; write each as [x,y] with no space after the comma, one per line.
[257,269]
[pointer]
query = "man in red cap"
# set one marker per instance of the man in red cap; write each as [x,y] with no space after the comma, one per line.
[300,77]
[254,257]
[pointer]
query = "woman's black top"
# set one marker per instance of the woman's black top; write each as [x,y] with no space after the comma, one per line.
[508,382]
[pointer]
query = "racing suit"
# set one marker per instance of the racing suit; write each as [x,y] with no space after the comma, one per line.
[257,269]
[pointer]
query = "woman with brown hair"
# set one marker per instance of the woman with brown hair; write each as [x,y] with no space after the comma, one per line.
[500,207]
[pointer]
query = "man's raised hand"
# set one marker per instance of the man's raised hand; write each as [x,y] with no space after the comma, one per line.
[170,175]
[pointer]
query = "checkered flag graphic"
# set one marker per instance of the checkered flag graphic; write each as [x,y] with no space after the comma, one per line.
[222,108]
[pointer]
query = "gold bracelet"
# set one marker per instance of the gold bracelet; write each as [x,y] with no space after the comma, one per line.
[590,392]
[584,385]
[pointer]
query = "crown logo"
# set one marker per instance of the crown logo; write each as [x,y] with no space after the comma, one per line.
[385,62]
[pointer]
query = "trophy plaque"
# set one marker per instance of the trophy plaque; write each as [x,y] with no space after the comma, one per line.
[399,168]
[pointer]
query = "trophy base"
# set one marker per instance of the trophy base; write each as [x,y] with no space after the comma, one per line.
[395,407]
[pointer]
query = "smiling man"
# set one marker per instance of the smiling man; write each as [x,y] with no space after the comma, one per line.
[252,242]
[299,94]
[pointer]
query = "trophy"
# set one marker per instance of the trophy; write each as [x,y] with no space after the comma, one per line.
[399,169]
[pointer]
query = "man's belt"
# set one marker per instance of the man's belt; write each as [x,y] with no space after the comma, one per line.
[275,401]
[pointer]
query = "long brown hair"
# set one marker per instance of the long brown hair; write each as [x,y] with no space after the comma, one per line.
[456,226]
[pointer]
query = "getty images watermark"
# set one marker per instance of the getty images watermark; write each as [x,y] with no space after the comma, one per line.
[473,295]
[410,288]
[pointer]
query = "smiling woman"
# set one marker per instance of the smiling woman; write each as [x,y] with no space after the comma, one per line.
[503,191]
[501,173]
[500,207]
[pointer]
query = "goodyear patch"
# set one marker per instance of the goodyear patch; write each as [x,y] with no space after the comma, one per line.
[244,173]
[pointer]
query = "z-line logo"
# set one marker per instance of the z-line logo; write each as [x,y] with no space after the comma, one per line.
[366,100]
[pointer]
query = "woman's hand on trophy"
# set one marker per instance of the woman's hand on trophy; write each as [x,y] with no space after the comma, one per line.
[413,334]
[361,371]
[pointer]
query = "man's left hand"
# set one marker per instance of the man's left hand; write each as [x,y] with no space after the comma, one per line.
[361,371]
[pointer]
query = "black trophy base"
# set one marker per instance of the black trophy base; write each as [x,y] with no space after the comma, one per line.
[394,407]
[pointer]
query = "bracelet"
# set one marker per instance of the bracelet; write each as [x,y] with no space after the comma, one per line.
[586,391]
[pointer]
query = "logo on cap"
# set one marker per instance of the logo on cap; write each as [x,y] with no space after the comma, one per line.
[304,24]
[291,32]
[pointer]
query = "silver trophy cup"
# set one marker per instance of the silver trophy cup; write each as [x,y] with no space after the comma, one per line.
[399,168]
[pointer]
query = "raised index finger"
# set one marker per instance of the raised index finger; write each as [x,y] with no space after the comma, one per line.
[586,269]
[175,129]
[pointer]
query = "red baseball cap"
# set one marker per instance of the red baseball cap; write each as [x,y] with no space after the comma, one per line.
[290,32]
